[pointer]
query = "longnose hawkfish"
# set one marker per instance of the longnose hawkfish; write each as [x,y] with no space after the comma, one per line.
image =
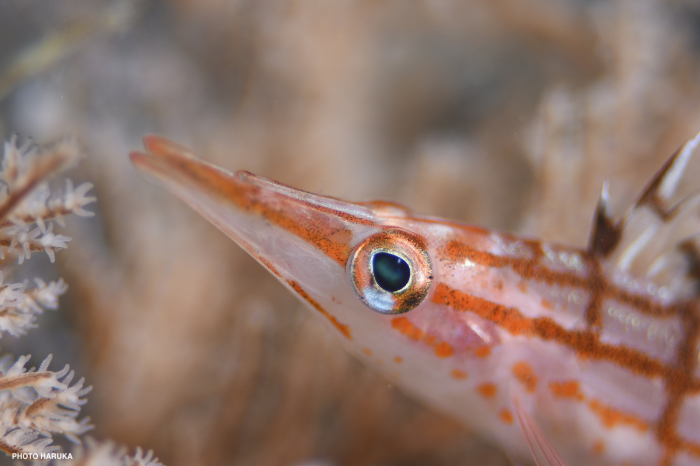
[559,354]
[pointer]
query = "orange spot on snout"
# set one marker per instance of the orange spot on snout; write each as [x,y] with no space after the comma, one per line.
[367,351]
[525,375]
[567,389]
[406,328]
[458,374]
[598,447]
[398,359]
[506,416]
[522,286]
[444,350]
[487,390]
[482,351]
[547,305]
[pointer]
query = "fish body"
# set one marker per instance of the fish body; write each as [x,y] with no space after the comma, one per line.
[563,354]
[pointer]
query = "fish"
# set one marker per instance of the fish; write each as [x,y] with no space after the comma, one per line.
[561,355]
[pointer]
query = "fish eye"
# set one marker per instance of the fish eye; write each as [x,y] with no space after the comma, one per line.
[391,271]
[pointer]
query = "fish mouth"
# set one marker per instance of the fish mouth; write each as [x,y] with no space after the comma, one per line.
[260,215]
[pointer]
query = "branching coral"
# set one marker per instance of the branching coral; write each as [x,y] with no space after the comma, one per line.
[35,403]
[28,207]
[108,454]
[19,306]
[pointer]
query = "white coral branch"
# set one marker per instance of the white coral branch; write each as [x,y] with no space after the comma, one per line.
[51,241]
[19,306]
[47,295]
[38,403]
[15,158]
[144,459]
[26,200]
[42,205]
[75,199]
[35,404]
[107,453]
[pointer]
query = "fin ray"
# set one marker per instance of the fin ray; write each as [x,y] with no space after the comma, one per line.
[543,451]
[649,239]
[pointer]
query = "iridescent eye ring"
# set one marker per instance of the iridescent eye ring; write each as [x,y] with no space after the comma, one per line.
[391,271]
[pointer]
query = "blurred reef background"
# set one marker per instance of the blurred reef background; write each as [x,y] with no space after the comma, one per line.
[509,114]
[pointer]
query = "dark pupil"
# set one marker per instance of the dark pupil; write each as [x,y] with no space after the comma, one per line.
[390,271]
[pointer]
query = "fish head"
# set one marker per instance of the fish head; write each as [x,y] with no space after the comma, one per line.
[368,269]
